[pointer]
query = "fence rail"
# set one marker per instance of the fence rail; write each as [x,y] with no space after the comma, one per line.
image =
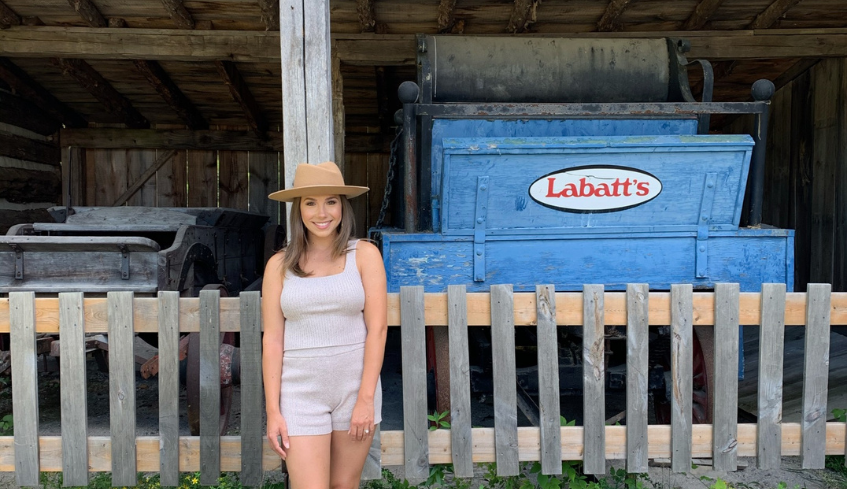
[120,314]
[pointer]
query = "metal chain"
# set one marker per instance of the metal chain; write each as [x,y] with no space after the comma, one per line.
[392,165]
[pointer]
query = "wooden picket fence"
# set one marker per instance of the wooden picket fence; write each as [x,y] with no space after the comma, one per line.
[124,454]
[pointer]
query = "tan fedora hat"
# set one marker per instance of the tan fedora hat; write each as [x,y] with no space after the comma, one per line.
[322,179]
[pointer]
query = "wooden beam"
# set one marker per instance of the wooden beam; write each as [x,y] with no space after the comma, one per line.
[609,21]
[367,14]
[26,149]
[102,90]
[19,112]
[523,15]
[179,14]
[170,92]
[89,13]
[111,138]
[270,14]
[8,17]
[771,14]
[446,8]
[29,89]
[242,95]
[149,172]
[117,22]
[704,11]
[371,49]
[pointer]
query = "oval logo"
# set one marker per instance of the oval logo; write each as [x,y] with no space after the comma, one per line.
[595,189]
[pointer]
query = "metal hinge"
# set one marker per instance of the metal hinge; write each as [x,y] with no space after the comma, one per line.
[124,262]
[19,261]
[480,216]
[701,255]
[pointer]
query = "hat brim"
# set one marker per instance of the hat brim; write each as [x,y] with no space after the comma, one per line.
[290,194]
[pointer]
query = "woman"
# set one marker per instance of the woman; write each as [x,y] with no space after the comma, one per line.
[324,312]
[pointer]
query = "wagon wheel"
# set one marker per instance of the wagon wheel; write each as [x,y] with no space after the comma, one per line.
[192,377]
[703,369]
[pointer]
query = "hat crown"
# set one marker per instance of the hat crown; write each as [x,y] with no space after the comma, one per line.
[326,173]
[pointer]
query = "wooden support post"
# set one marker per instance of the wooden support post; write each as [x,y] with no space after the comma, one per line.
[701,14]
[102,90]
[179,14]
[609,21]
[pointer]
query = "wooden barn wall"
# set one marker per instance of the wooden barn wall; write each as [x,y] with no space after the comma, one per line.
[30,176]
[806,171]
[191,178]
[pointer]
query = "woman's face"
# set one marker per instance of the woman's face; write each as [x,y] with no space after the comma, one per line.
[321,214]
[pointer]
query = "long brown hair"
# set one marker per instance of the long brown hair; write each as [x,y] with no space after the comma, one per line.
[299,243]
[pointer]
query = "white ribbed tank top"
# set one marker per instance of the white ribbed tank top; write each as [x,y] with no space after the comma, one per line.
[324,311]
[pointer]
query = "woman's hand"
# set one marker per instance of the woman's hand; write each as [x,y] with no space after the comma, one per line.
[278,429]
[362,421]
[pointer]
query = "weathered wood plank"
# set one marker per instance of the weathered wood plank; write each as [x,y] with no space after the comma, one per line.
[771,341]
[20,112]
[367,14]
[270,14]
[725,417]
[415,426]
[95,84]
[264,179]
[73,389]
[505,380]
[171,181]
[202,178]
[8,17]
[609,21]
[243,96]
[681,365]
[701,14]
[815,375]
[29,149]
[232,179]
[338,118]
[523,15]
[318,77]
[460,382]
[169,387]
[122,388]
[24,387]
[89,13]
[295,150]
[179,14]
[548,377]
[171,93]
[22,84]
[210,387]
[770,15]
[593,379]
[112,138]
[252,407]
[141,161]
[637,367]
[75,177]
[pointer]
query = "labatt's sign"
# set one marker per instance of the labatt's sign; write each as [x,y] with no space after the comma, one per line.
[595,189]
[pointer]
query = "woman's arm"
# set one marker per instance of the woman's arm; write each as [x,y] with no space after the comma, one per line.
[372,270]
[274,326]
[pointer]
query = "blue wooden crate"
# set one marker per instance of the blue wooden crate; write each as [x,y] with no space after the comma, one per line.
[476,128]
[686,181]
[749,257]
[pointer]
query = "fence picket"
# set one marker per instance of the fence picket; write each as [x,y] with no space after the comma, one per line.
[252,406]
[413,343]
[460,382]
[210,387]
[24,387]
[169,388]
[637,335]
[548,380]
[73,390]
[725,418]
[771,346]
[682,368]
[815,373]
[593,380]
[505,380]
[122,388]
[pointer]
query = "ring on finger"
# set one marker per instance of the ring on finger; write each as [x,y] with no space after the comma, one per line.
[367,431]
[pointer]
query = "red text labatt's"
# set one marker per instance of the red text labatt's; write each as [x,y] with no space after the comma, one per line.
[595,189]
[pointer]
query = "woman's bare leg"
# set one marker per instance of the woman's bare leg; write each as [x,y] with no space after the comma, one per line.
[308,461]
[347,459]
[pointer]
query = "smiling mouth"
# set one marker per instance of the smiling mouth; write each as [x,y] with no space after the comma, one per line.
[322,225]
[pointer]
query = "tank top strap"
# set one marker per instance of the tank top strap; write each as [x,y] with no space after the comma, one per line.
[350,264]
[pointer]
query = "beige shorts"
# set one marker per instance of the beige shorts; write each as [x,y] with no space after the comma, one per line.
[319,387]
